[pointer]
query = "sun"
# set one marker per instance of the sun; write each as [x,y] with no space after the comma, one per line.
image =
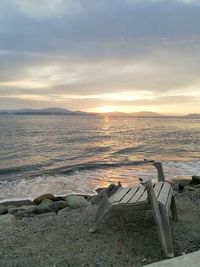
[106,109]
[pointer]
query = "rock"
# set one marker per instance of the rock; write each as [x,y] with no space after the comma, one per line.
[3,210]
[49,201]
[99,189]
[6,219]
[178,187]
[109,191]
[47,206]
[60,204]
[39,199]
[74,201]
[25,210]
[196,179]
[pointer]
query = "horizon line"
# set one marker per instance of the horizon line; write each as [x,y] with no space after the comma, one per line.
[148,113]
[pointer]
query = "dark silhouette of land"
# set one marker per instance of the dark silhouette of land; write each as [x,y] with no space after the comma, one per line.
[62,111]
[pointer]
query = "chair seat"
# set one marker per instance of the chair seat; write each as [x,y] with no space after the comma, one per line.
[138,194]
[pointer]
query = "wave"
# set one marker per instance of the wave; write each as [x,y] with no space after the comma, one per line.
[99,165]
[43,169]
[129,150]
[10,170]
[20,169]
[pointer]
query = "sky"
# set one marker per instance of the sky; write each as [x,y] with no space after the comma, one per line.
[100,55]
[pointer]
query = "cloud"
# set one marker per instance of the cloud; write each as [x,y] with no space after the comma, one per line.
[139,49]
[42,9]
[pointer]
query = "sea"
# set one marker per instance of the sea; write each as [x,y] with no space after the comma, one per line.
[66,154]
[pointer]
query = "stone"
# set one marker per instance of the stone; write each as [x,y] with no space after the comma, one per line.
[46,207]
[109,191]
[3,210]
[179,187]
[47,201]
[196,179]
[6,219]
[61,204]
[39,199]
[25,210]
[75,201]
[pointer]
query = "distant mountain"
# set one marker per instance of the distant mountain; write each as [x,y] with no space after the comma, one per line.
[193,115]
[44,111]
[135,114]
[146,114]
[62,111]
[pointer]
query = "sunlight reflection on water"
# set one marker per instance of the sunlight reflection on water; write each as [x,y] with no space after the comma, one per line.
[36,149]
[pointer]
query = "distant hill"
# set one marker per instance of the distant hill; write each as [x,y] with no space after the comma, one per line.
[44,111]
[146,114]
[135,114]
[62,111]
[193,115]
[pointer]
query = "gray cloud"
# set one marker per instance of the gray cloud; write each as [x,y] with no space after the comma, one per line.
[95,47]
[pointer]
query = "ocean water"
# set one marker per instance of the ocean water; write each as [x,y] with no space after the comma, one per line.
[64,154]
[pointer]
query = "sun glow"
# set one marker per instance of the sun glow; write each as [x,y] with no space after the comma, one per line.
[106,109]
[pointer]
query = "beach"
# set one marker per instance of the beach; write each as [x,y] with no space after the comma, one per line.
[125,238]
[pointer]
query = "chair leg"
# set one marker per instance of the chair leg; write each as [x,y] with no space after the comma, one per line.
[163,226]
[173,209]
[101,212]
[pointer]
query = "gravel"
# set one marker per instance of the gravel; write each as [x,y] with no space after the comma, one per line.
[125,238]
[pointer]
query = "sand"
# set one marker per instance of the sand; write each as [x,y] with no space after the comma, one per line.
[124,238]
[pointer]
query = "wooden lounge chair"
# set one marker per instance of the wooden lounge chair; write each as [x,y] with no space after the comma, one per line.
[159,196]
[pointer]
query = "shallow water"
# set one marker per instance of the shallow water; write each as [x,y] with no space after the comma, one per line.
[62,154]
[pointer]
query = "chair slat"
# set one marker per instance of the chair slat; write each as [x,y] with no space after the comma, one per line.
[144,196]
[157,188]
[120,194]
[137,195]
[129,195]
[163,196]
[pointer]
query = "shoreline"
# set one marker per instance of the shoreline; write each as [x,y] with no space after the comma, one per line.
[124,238]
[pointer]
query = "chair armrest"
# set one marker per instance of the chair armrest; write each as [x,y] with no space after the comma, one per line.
[158,165]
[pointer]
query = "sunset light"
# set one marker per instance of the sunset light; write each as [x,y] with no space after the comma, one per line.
[106,109]
[95,97]
[100,64]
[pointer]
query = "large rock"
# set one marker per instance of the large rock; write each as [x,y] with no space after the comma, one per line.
[25,210]
[39,199]
[3,210]
[46,206]
[74,201]
[196,179]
